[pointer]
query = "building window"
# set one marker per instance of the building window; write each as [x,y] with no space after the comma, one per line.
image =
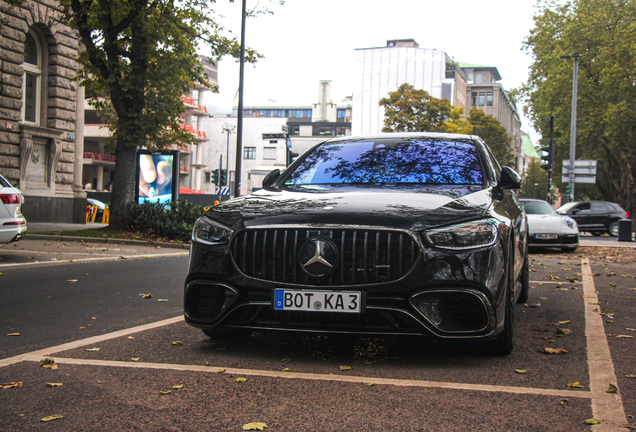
[474,94]
[482,98]
[269,153]
[207,177]
[31,79]
[489,99]
[249,153]
[479,77]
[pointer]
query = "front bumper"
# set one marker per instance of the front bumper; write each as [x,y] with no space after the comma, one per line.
[562,240]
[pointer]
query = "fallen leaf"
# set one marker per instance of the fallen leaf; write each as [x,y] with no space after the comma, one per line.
[593,421]
[241,379]
[131,337]
[564,402]
[136,359]
[520,371]
[575,384]
[54,384]
[286,360]
[345,368]
[177,343]
[146,296]
[11,385]
[93,349]
[631,376]
[612,285]
[122,257]
[254,426]
[82,328]
[220,370]
[207,363]
[629,426]
[48,363]
[596,303]
[286,370]
[72,281]
[624,336]
[612,389]
[554,351]
[52,417]
[371,384]
[165,392]
[588,296]
[563,331]
[13,334]
[162,300]
[177,386]
[543,298]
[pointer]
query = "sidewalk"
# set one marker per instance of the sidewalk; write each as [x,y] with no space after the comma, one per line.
[604,241]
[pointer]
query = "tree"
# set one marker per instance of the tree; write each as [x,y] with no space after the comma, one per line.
[601,31]
[493,133]
[534,176]
[411,110]
[140,57]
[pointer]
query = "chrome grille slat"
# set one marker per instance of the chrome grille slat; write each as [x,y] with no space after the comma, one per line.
[367,256]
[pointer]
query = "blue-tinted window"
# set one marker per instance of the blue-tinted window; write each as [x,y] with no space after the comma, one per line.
[391,161]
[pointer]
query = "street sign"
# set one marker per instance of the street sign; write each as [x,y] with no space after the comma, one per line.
[584,171]
[285,128]
[288,143]
[579,179]
[274,135]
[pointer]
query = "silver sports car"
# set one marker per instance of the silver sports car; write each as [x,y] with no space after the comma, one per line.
[549,229]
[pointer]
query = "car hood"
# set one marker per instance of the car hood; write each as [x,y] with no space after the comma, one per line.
[548,224]
[413,209]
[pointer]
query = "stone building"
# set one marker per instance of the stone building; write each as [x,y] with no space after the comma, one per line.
[40,149]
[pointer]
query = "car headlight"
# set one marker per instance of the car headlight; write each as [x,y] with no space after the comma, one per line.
[463,236]
[207,231]
[571,223]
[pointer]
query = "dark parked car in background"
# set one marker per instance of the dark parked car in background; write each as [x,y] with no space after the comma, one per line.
[595,217]
[393,234]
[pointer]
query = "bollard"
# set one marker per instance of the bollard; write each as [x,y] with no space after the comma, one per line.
[625,230]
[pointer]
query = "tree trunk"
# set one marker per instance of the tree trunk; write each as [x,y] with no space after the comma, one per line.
[124,182]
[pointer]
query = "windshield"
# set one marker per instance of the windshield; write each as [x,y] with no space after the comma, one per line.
[566,207]
[394,161]
[537,207]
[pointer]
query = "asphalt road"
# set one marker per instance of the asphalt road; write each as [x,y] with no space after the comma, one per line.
[172,377]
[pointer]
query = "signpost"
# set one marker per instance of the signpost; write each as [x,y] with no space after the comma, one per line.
[584,171]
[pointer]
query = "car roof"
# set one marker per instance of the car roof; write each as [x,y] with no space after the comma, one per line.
[388,135]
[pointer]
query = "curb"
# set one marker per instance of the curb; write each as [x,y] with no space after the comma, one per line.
[107,240]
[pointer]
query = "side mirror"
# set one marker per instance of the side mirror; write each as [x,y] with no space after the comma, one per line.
[271,178]
[509,179]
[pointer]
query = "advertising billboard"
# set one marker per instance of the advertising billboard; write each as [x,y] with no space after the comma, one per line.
[157,176]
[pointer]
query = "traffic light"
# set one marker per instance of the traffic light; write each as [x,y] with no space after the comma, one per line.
[293,154]
[223,178]
[546,158]
[215,176]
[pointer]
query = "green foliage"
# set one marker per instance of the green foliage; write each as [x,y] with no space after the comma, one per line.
[534,175]
[158,220]
[602,32]
[493,133]
[411,110]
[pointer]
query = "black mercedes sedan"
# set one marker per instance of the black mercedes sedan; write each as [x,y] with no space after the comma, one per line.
[392,234]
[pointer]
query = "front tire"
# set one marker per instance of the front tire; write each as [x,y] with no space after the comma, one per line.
[612,229]
[503,344]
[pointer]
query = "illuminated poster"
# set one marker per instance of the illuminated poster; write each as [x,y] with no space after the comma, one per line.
[156,178]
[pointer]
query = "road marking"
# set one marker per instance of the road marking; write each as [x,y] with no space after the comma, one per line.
[556,282]
[107,258]
[89,341]
[606,406]
[319,377]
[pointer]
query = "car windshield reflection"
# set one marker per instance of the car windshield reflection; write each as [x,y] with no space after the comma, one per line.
[389,163]
[538,207]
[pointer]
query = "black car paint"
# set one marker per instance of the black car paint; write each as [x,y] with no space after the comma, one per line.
[408,209]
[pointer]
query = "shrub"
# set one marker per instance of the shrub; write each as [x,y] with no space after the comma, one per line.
[173,222]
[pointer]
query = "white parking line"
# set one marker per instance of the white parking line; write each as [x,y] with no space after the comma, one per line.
[89,341]
[320,377]
[606,406]
[106,258]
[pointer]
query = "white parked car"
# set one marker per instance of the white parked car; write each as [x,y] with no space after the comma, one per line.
[12,224]
[548,228]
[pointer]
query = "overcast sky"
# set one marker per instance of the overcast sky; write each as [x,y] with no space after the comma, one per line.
[305,41]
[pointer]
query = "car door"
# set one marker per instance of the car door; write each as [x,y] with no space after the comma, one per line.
[600,215]
[581,214]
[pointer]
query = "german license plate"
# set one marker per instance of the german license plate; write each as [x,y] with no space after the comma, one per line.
[319,301]
[546,236]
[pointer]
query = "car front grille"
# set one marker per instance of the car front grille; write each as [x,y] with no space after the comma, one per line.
[366,256]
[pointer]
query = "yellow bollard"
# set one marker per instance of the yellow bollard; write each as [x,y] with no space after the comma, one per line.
[106,216]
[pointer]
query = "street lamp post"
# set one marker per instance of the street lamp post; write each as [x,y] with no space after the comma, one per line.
[229,129]
[534,194]
[239,114]
[575,81]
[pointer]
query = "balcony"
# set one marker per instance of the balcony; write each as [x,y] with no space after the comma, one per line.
[190,104]
[99,159]
[199,134]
